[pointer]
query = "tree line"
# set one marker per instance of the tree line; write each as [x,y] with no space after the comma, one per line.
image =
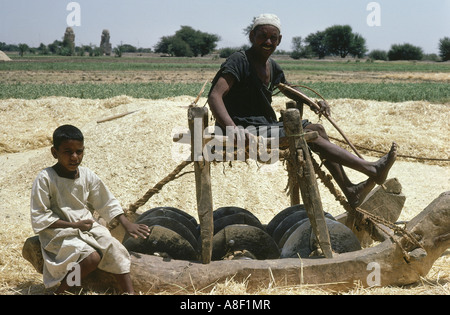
[336,40]
[61,48]
[341,41]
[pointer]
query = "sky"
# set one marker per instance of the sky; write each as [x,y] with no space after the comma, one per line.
[142,23]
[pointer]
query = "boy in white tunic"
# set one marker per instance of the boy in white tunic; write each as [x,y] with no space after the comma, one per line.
[62,200]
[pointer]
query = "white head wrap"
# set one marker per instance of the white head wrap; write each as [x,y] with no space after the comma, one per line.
[267,19]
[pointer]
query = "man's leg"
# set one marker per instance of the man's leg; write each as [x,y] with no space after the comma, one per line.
[335,157]
[355,193]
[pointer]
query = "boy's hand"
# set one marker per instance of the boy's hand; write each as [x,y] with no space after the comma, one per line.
[135,230]
[84,225]
[138,230]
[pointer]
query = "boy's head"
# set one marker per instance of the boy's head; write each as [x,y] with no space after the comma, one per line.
[66,132]
[68,149]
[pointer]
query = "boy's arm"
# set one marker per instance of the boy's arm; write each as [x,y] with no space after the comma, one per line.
[83,225]
[135,230]
[42,215]
[101,199]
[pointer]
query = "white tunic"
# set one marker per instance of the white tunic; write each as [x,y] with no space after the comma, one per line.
[53,198]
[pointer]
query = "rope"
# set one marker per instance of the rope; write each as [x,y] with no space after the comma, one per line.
[152,191]
[303,86]
[398,155]
[327,181]
[365,148]
[380,222]
[363,215]
[157,188]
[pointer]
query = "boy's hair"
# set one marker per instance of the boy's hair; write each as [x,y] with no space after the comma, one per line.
[66,132]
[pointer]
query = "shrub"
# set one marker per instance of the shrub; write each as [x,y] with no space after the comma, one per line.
[227,52]
[299,50]
[444,48]
[431,57]
[341,41]
[187,42]
[405,52]
[378,55]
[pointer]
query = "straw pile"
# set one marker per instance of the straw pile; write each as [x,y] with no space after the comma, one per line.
[4,57]
[134,152]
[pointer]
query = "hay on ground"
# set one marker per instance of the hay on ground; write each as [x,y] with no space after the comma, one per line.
[134,152]
[4,57]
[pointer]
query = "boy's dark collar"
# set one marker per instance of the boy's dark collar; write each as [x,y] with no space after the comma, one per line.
[64,174]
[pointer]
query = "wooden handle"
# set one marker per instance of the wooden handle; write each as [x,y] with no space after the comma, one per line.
[299,96]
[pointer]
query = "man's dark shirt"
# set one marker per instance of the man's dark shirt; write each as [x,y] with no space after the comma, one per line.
[249,101]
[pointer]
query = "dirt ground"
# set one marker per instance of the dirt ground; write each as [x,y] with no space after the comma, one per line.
[134,152]
[189,76]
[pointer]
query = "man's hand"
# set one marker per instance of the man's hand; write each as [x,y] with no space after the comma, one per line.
[324,109]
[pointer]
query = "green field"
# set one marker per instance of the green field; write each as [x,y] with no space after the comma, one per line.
[394,92]
[382,81]
[98,90]
[61,63]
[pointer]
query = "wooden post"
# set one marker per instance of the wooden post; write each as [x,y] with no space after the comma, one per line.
[294,104]
[198,121]
[294,189]
[304,176]
[293,167]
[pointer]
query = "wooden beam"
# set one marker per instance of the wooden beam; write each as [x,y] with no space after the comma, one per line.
[115,116]
[302,174]
[152,274]
[198,120]
[300,97]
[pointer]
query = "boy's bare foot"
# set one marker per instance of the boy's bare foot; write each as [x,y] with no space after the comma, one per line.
[384,164]
[357,194]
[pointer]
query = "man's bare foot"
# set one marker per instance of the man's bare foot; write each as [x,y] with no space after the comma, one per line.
[356,194]
[384,164]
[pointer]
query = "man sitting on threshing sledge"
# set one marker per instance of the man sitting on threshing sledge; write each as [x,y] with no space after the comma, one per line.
[241,96]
